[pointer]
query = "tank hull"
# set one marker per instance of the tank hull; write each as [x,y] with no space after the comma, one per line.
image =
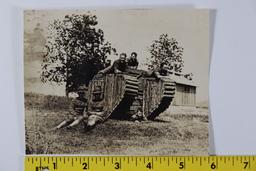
[110,94]
[124,95]
[157,96]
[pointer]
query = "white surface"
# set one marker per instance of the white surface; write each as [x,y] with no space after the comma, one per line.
[232,83]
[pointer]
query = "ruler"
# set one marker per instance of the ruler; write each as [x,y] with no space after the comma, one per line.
[140,163]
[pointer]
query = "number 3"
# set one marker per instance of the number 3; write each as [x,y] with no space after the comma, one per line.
[117,165]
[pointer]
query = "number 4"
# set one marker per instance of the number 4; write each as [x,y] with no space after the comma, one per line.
[149,166]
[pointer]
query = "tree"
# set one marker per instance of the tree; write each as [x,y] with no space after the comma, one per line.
[166,50]
[75,51]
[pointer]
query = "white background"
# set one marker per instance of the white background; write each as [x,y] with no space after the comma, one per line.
[232,79]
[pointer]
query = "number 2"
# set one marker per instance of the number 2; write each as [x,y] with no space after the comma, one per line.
[85,166]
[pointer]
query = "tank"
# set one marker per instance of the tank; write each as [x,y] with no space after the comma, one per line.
[124,95]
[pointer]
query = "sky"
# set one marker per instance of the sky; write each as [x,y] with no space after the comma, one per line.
[131,30]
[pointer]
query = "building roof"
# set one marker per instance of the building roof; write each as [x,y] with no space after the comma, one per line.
[182,80]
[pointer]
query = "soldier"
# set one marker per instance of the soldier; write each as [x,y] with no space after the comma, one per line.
[139,116]
[132,61]
[163,71]
[77,112]
[120,65]
[93,119]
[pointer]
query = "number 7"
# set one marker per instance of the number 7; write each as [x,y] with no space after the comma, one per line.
[245,164]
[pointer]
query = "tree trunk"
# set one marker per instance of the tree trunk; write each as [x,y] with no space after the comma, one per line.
[66,90]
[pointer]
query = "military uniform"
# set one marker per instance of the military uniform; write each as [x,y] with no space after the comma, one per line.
[139,116]
[119,66]
[77,107]
[133,63]
[163,72]
[77,113]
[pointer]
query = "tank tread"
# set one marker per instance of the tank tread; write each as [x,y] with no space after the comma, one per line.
[168,95]
[131,91]
[131,86]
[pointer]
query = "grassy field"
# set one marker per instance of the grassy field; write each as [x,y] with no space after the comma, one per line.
[175,132]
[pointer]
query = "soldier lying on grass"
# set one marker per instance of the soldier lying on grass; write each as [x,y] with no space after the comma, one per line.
[77,112]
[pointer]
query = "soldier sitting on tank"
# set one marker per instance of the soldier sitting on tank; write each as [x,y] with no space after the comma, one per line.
[77,112]
[162,71]
[118,66]
[158,73]
[132,62]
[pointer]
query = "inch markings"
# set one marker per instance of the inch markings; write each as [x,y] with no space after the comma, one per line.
[139,163]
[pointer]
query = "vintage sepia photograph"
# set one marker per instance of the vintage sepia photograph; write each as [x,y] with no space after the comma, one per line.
[116,81]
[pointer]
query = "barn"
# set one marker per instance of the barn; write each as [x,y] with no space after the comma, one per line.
[185,91]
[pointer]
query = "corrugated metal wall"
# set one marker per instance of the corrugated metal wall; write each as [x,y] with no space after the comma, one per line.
[185,95]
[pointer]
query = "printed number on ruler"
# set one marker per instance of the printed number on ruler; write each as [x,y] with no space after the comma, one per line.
[118,163]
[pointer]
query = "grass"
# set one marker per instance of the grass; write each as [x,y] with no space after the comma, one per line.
[170,134]
[46,102]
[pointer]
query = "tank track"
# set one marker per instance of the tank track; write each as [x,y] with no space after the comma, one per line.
[167,97]
[131,86]
[131,91]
